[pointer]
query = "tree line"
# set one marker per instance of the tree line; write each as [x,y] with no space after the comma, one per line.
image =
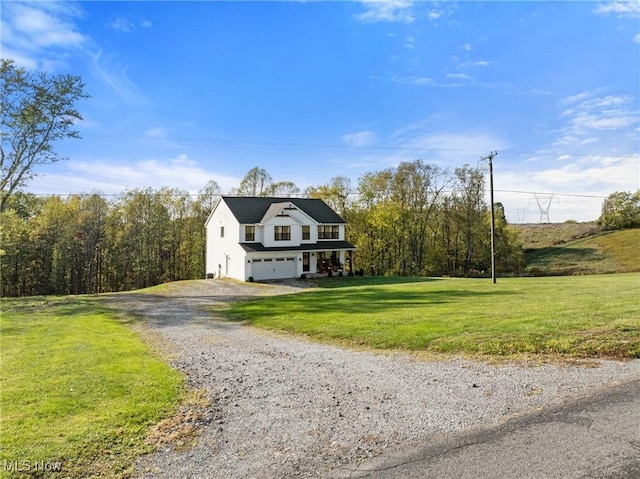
[415,219]
[421,220]
[87,244]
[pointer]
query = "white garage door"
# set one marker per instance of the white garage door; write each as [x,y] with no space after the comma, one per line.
[274,268]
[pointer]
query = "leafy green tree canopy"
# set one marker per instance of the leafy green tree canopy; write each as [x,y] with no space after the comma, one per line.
[36,110]
[621,210]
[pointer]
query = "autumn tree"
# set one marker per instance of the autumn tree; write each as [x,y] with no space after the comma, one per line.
[621,210]
[469,209]
[37,109]
[336,194]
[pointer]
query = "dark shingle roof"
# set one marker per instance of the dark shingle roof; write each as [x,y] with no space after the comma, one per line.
[250,210]
[319,246]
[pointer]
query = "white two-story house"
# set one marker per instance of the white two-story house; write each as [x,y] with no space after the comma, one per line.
[261,238]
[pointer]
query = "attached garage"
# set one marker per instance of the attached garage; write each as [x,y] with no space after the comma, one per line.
[274,268]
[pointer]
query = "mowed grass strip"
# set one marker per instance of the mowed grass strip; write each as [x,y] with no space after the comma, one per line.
[79,388]
[578,316]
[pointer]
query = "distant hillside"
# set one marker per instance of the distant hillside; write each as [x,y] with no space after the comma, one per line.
[578,248]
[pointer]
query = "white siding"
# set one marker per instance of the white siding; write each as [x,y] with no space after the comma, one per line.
[225,257]
[269,232]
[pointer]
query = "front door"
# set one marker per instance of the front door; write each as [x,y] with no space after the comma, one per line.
[305,262]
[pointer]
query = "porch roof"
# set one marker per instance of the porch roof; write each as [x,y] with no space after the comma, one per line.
[319,246]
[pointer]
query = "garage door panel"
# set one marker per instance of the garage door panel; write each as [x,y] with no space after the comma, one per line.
[274,268]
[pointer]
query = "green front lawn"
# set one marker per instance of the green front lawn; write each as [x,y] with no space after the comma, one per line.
[572,315]
[78,387]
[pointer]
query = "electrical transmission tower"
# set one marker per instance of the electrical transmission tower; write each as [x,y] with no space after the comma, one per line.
[544,203]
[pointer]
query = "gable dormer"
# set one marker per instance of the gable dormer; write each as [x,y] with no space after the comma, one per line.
[280,210]
[283,210]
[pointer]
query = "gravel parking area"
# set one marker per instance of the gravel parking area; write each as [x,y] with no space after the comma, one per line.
[285,407]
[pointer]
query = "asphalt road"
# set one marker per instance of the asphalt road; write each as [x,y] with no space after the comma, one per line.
[595,437]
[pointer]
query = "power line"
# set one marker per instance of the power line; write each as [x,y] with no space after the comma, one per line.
[575,195]
[353,193]
[245,144]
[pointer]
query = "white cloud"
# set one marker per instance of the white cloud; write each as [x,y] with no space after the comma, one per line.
[387,11]
[413,80]
[473,64]
[122,24]
[467,141]
[110,178]
[35,34]
[32,31]
[637,38]
[360,138]
[623,9]
[157,132]
[467,47]
[535,91]
[459,76]
[116,78]
[588,114]
[577,98]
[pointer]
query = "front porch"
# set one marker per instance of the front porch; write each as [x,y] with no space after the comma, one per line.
[322,262]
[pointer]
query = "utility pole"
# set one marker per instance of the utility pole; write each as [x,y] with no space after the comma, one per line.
[489,157]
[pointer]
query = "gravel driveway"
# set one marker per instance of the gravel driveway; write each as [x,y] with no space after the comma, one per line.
[284,407]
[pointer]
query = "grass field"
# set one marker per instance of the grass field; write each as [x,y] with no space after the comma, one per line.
[80,389]
[534,236]
[576,316]
[578,248]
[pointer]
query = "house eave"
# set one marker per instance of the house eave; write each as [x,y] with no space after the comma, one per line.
[319,246]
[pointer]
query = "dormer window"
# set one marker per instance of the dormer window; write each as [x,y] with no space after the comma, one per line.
[306,233]
[282,233]
[249,233]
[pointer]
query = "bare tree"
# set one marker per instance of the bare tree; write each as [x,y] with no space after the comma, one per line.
[257,182]
[284,188]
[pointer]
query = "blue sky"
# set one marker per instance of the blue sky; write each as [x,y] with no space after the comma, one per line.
[185,92]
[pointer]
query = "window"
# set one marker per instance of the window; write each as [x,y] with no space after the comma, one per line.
[249,233]
[306,233]
[328,232]
[222,232]
[283,233]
